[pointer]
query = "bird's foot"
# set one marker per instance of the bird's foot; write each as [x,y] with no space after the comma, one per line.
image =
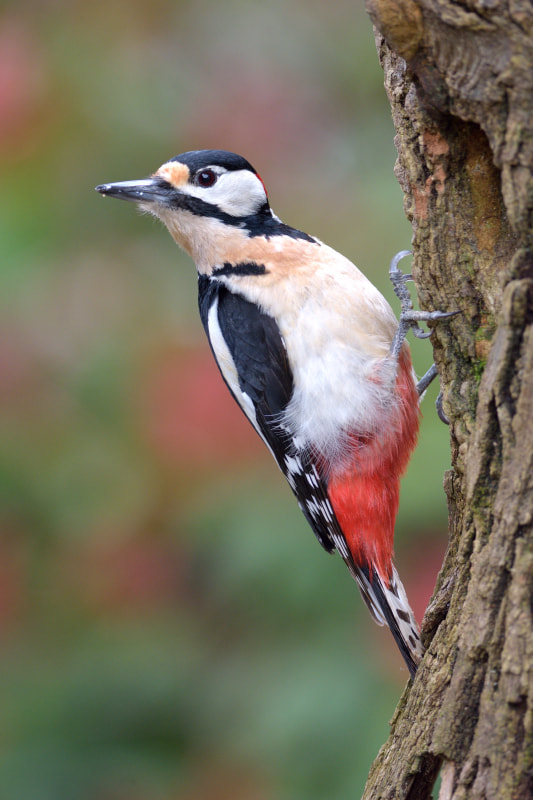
[409,318]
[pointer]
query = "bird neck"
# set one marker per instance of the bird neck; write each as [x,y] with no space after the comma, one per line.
[207,240]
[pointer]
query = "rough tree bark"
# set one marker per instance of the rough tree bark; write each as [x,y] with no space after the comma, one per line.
[459,75]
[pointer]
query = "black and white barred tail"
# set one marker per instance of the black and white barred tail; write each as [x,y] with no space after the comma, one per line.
[389,606]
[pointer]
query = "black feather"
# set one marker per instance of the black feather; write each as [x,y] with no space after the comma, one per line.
[258,352]
[199,159]
[242,268]
[372,578]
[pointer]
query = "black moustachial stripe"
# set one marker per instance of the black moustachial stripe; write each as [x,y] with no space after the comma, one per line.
[260,223]
[242,268]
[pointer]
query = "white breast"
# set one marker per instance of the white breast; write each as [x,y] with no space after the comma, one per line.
[341,384]
[337,328]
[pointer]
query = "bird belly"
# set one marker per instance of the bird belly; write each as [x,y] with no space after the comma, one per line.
[341,386]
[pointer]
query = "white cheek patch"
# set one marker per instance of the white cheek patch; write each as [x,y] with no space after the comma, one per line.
[238,193]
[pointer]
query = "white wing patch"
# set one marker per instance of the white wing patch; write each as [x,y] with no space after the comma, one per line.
[225,361]
[228,369]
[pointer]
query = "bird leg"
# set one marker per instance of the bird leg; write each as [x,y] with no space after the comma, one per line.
[409,319]
[426,379]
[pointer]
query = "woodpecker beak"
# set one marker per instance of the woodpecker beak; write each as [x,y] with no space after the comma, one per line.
[149,190]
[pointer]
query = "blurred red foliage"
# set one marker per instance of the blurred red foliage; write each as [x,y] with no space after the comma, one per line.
[13,579]
[129,576]
[420,566]
[258,115]
[23,86]
[189,415]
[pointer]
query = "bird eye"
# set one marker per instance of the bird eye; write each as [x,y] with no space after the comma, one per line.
[206,178]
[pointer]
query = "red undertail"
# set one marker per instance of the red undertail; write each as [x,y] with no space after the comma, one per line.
[365,495]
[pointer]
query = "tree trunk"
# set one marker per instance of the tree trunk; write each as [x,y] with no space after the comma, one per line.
[459,75]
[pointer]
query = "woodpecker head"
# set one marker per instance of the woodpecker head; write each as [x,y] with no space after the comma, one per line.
[200,195]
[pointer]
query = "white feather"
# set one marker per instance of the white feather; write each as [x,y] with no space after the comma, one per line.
[228,369]
[238,192]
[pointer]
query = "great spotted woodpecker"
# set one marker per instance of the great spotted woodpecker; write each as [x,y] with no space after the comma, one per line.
[312,353]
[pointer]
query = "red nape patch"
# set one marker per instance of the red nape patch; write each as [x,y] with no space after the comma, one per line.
[257,175]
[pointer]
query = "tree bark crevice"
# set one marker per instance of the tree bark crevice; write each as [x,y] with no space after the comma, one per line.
[459,76]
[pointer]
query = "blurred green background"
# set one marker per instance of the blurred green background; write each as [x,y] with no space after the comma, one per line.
[169,626]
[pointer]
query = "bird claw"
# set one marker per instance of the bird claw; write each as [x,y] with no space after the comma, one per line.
[440,411]
[414,317]
[423,384]
[409,317]
[399,279]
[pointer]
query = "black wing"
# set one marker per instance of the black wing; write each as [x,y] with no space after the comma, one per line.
[260,379]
